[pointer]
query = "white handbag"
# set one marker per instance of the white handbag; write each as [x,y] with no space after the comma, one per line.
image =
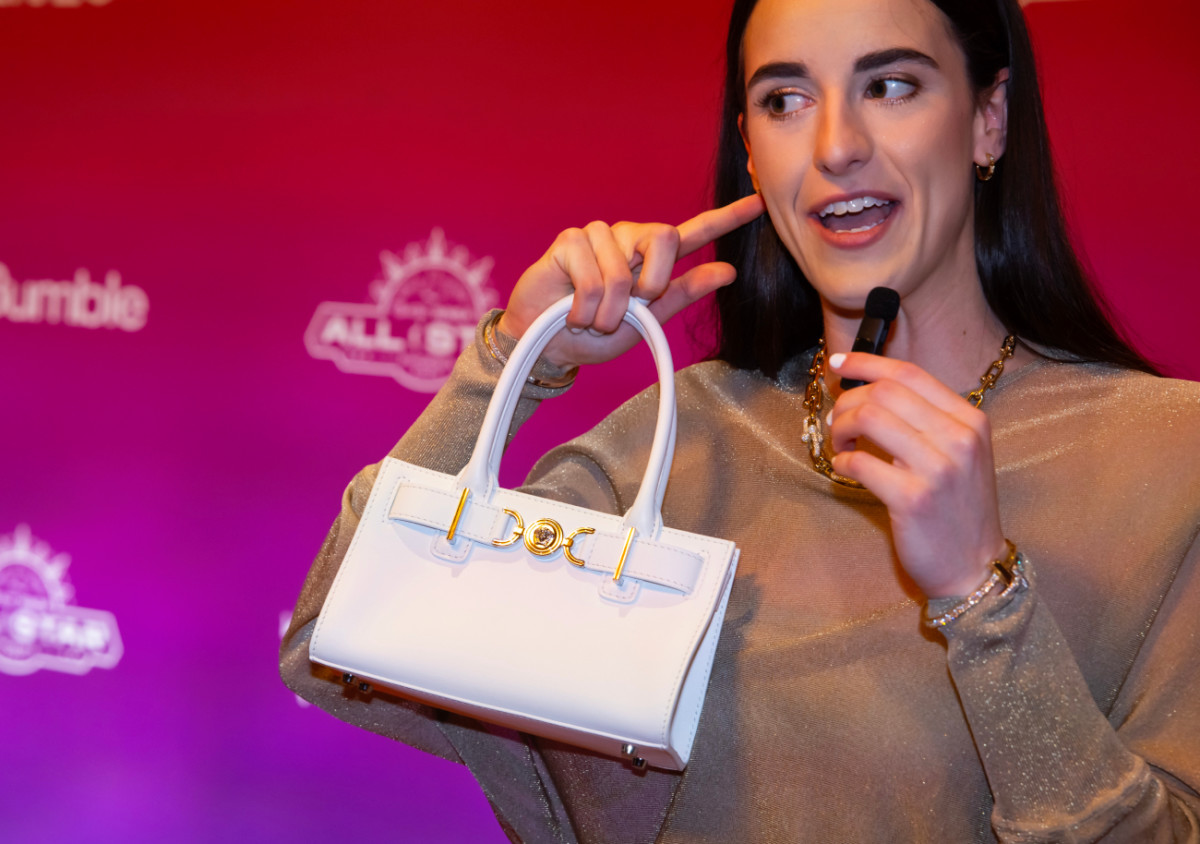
[576,625]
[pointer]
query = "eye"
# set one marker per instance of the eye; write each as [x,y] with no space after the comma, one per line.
[890,89]
[782,103]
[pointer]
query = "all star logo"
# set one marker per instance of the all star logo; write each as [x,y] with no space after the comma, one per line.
[40,627]
[423,314]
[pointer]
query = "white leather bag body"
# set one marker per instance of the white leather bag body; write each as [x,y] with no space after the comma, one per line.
[593,629]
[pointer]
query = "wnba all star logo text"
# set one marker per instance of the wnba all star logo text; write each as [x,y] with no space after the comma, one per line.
[80,303]
[40,627]
[423,315]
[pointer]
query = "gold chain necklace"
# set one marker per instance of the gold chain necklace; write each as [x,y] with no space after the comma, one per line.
[814,433]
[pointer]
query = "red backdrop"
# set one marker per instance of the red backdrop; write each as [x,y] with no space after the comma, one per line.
[242,162]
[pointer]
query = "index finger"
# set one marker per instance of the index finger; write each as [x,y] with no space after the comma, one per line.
[870,368]
[707,226]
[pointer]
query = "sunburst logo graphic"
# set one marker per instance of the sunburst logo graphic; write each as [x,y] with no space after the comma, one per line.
[423,315]
[40,627]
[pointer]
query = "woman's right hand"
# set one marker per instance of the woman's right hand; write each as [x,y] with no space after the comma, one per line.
[604,265]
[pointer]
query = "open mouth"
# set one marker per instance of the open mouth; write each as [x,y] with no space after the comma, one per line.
[860,214]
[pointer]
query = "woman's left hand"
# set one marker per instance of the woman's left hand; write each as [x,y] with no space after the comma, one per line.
[940,488]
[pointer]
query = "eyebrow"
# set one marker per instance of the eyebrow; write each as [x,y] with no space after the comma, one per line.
[871,61]
[883,58]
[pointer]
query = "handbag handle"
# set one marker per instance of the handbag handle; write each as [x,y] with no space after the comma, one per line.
[480,473]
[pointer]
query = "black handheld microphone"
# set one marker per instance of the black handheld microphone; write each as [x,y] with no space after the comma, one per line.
[883,304]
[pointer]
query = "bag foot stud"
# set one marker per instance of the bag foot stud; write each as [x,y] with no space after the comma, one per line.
[631,751]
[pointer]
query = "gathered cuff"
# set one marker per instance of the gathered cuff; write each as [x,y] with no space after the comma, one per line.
[1056,768]
[546,379]
[997,605]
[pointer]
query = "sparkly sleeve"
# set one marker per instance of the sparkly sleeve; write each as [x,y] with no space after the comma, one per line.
[442,439]
[1059,770]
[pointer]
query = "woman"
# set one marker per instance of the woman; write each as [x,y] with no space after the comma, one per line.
[894,143]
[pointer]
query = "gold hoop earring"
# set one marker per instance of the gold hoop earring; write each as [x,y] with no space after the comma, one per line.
[984,174]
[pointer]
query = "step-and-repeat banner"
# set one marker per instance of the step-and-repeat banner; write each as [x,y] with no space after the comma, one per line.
[241,244]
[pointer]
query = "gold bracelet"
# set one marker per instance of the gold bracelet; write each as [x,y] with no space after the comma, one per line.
[489,340]
[1008,570]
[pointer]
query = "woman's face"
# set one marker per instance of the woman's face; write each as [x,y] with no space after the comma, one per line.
[863,130]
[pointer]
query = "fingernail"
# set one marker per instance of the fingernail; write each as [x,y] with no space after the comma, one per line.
[829,419]
[595,333]
[836,361]
[574,330]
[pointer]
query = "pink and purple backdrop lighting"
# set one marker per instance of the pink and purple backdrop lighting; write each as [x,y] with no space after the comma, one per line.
[241,242]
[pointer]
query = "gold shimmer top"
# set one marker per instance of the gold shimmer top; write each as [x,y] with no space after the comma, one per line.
[1069,711]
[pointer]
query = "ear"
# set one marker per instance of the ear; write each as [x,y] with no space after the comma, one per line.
[749,155]
[991,121]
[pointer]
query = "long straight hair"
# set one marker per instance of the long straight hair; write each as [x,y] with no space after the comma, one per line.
[1031,277]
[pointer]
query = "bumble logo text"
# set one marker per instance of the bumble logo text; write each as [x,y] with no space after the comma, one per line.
[80,303]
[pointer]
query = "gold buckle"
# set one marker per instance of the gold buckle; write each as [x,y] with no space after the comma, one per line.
[545,536]
[624,554]
[462,502]
[517,531]
[569,543]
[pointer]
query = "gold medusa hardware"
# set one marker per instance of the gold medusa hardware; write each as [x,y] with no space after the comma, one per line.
[518,531]
[543,537]
[462,502]
[569,543]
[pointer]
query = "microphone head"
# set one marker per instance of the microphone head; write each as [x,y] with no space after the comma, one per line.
[882,303]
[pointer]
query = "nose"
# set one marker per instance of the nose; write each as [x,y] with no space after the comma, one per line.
[843,143]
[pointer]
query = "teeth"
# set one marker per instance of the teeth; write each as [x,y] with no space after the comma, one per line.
[852,206]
